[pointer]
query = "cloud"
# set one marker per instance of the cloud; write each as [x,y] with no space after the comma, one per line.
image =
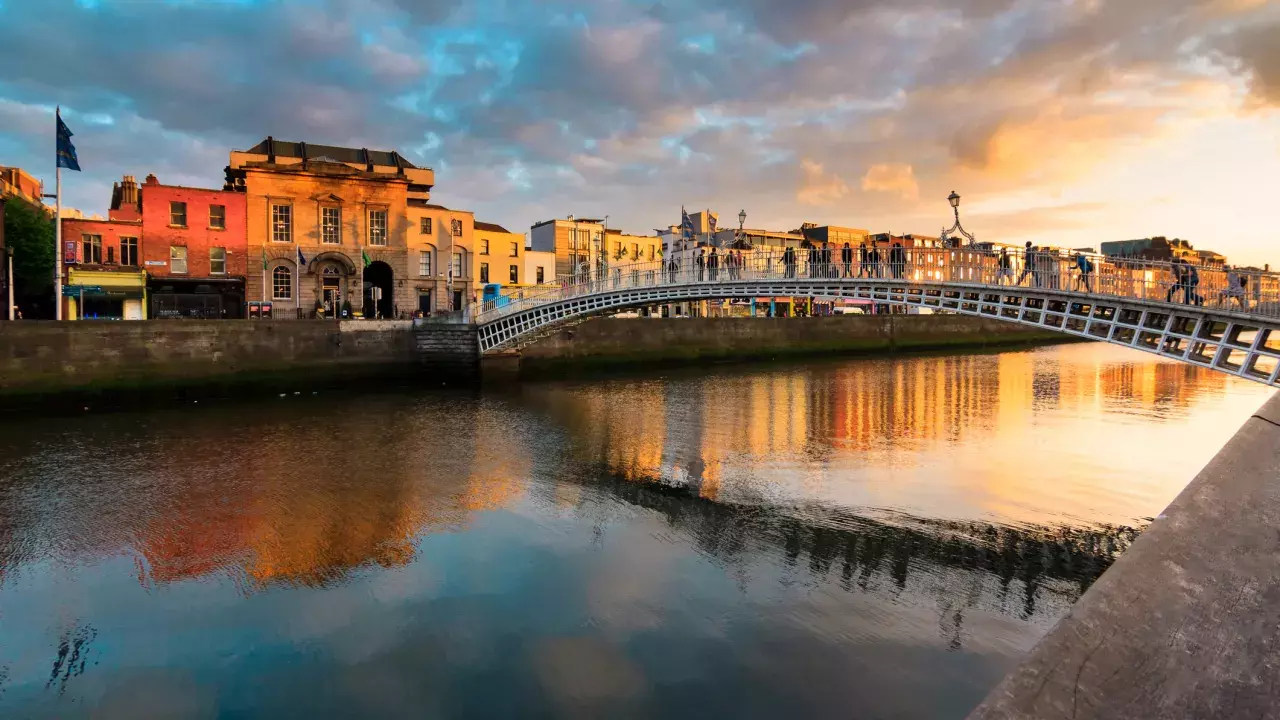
[818,187]
[632,108]
[1257,50]
[896,178]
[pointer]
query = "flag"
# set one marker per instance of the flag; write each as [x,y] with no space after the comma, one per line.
[302,260]
[264,259]
[66,151]
[365,257]
[686,225]
[711,222]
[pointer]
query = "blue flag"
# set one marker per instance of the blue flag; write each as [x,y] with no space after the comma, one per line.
[301,260]
[686,225]
[66,151]
[711,222]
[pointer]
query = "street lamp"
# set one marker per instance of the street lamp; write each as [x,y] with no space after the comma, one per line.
[8,280]
[954,199]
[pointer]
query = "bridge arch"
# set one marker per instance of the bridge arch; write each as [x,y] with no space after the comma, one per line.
[1237,343]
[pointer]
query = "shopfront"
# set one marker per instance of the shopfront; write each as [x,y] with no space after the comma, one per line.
[196,298]
[105,295]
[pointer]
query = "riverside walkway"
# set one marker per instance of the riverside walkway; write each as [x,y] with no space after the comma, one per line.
[1184,625]
[1211,317]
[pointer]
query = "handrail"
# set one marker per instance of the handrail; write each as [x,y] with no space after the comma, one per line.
[1251,292]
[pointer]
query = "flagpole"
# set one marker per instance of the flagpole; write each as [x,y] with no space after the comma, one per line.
[297,279]
[57,226]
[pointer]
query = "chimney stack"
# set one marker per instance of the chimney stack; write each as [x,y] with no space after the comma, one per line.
[151,179]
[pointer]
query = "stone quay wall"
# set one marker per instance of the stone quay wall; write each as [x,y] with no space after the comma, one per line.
[159,357]
[50,358]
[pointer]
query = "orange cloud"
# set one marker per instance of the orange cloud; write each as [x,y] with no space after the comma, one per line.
[897,178]
[818,187]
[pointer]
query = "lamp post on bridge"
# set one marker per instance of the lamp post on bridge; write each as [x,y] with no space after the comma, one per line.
[947,234]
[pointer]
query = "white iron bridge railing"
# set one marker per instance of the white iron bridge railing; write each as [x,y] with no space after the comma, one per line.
[1241,292]
[1228,321]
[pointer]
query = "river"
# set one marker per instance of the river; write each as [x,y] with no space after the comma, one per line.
[878,537]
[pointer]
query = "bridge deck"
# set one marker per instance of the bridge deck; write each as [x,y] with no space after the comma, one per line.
[1217,324]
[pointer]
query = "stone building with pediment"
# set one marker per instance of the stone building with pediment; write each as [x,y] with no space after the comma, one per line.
[331,225]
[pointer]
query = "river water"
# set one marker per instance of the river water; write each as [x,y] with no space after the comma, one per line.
[853,538]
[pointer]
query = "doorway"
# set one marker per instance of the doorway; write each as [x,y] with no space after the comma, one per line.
[330,292]
[379,283]
[424,302]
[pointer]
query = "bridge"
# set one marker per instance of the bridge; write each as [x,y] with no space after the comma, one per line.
[1209,317]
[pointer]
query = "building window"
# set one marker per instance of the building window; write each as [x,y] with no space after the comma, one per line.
[282,223]
[91,249]
[484,246]
[217,261]
[331,225]
[424,263]
[542,274]
[111,255]
[484,272]
[515,275]
[177,259]
[424,225]
[377,227]
[457,264]
[128,251]
[218,217]
[281,284]
[457,227]
[177,213]
[515,249]
[635,251]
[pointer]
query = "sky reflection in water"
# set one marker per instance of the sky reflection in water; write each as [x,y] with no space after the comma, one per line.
[863,537]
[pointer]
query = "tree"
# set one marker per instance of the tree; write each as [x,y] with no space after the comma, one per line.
[29,231]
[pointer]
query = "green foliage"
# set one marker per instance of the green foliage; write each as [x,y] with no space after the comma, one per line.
[29,231]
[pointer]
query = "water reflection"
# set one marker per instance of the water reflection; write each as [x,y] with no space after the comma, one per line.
[605,547]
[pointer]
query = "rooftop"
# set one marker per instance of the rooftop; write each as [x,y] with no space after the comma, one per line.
[331,153]
[490,227]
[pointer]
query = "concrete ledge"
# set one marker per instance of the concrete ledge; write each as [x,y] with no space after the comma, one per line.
[1186,624]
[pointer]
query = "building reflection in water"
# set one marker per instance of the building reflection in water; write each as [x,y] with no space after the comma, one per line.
[953,483]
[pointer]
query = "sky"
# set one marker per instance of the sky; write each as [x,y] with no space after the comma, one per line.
[1068,122]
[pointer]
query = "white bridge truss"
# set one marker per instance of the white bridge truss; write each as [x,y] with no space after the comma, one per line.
[1226,339]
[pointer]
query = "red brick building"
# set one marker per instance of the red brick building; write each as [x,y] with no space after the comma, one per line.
[101,270]
[193,249]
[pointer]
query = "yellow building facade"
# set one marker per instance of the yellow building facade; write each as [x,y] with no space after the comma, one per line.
[440,237]
[500,257]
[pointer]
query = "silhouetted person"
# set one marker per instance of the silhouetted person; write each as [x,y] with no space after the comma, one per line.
[846,261]
[701,261]
[813,261]
[1236,285]
[826,261]
[1085,266]
[789,262]
[713,265]
[1028,264]
[863,270]
[1005,265]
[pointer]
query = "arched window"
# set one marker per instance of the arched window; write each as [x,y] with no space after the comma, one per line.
[281,283]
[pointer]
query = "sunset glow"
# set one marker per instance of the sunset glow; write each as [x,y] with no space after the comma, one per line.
[1069,122]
